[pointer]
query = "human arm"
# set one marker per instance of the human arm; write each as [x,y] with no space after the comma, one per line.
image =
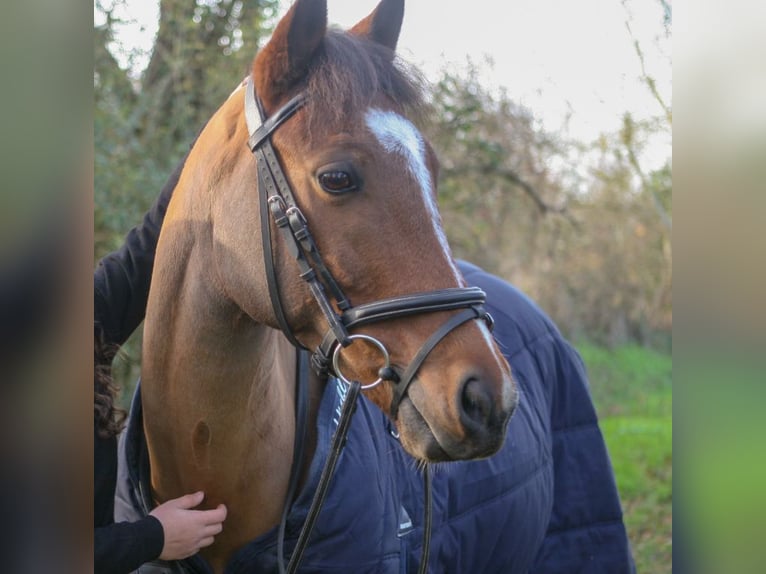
[122,547]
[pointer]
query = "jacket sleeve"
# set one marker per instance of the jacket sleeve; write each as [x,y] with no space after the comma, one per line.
[586,533]
[122,547]
[121,279]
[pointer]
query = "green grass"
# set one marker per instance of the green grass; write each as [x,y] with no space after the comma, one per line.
[632,390]
[629,380]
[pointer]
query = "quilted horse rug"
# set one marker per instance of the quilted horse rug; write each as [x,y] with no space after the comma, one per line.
[546,502]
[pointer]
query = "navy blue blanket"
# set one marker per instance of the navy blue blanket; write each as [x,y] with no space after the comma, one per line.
[546,503]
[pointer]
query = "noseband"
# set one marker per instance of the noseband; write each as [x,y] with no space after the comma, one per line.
[277,200]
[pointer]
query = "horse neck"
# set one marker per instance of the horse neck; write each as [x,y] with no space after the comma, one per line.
[217,393]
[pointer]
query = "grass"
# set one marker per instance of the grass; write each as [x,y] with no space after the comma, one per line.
[632,390]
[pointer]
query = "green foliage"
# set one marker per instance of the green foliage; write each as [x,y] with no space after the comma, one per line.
[641,453]
[632,389]
[494,183]
[143,128]
[629,380]
[582,228]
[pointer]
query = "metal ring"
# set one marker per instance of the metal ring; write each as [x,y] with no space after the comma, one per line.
[369,339]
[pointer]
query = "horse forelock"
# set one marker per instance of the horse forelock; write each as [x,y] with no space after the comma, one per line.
[348,73]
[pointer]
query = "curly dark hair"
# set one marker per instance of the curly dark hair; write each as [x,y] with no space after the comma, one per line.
[109,418]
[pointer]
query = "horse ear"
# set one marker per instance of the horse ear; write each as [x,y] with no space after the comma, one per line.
[384,24]
[285,59]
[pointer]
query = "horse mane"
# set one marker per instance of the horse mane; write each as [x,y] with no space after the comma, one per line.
[349,71]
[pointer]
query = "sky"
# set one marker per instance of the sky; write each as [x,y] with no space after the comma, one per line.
[560,58]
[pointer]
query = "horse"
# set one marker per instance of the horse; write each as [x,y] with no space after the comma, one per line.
[232,295]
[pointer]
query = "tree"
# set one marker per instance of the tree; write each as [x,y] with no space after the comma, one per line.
[495,187]
[579,227]
[203,49]
[143,127]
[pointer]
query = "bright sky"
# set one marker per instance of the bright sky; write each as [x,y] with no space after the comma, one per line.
[556,57]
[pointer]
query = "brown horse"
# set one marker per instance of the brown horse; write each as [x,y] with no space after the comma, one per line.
[218,374]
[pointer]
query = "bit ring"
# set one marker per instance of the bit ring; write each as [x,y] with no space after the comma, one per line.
[375,343]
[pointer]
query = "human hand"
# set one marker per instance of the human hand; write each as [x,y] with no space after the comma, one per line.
[187,530]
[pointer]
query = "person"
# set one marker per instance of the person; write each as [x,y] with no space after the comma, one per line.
[546,503]
[173,530]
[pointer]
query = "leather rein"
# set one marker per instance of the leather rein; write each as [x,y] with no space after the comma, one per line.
[279,207]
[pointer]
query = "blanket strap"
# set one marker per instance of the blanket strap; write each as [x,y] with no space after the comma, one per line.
[427,520]
[301,422]
[338,442]
[336,447]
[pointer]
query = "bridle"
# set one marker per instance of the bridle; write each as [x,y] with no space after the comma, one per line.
[278,206]
[278,203]
[277,200]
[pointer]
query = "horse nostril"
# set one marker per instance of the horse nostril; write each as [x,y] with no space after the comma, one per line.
[476,404]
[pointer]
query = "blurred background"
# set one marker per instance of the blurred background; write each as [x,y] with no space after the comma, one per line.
[553,124]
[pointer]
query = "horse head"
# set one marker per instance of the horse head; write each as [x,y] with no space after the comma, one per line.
[364,180]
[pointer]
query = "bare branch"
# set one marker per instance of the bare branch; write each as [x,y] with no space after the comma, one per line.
[648,80]
[516,180]
[665,217]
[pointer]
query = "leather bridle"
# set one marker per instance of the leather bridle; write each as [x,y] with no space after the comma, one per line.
[277,200]
[278,206]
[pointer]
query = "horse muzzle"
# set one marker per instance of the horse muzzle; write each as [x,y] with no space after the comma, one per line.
[478,430]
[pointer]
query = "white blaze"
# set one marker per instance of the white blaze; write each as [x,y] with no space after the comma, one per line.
[398,135]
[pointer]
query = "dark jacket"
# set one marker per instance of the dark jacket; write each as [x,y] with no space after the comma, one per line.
[546,503]
[121,287]
[118,548]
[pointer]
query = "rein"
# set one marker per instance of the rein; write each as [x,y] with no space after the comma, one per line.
[278,206]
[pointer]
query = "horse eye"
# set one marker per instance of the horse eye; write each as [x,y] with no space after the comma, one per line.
[337,181]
